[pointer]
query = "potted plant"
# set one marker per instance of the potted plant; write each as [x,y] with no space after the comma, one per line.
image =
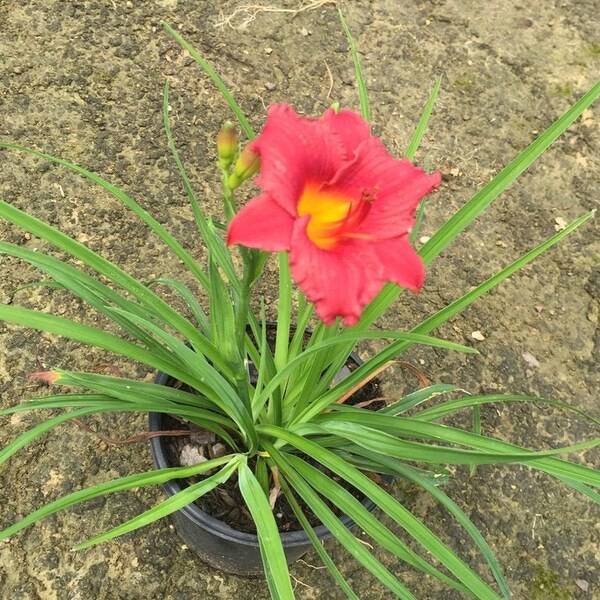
[278,399]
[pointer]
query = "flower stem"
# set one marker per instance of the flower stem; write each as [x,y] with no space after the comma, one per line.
[252,267]
[227,195]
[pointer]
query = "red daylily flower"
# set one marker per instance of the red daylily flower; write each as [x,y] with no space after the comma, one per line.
[339,204]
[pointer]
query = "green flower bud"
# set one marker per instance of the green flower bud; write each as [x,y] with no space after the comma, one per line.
[246,166]
[228,144]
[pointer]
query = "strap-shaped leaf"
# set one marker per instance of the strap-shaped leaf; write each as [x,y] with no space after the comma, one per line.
[208,231]
[222,318]
[389,445]
[89,289]
[415,398]
[415,141]
[411,474]
[390,506]
[138,396]
[189,297]
[35,432]
[338,530]
[120,484]
[88,335]
[269,539]
[458,222]
[543,461]
[152,223]
[343,339]
[145,297]
[363,95]
[370,524]
[207,68]
[434,413]
[394,349]
[179,500]
[316,542]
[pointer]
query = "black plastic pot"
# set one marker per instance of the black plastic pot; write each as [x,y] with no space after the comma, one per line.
[215,542]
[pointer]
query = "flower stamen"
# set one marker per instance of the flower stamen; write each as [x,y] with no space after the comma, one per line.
[334,217]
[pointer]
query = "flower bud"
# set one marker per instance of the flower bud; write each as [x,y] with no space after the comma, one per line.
[48,377]
[246,166]
[227,144]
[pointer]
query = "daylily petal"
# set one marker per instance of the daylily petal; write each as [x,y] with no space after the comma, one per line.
[339,283]
[294,150]
[397,184]
[394,212]
[349,129]
[400,263]
[263,224]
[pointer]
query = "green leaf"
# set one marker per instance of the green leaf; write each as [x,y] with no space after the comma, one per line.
[481,200]
[316,542]
[262,474]
[581,488]
[89,289]
[185,292]
[222,318]
[363,95]
[269,539]
[152,223]
[418,221]
[476,418]
[395,348]
[207,68]
[459,305]
[338,530]
[34,284]
[411,474]
[152,303]
[173,503]
[341,340]
[305,312]
[261,358]
[316,375]
[282,338]
[413,399]
[284,310]
[415,142]
[121,484]
[367,522]
[207,229]
[413,428]
[434,413]
[390,506]
[88,335]
[35,432]
[83,400]
[387,444]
